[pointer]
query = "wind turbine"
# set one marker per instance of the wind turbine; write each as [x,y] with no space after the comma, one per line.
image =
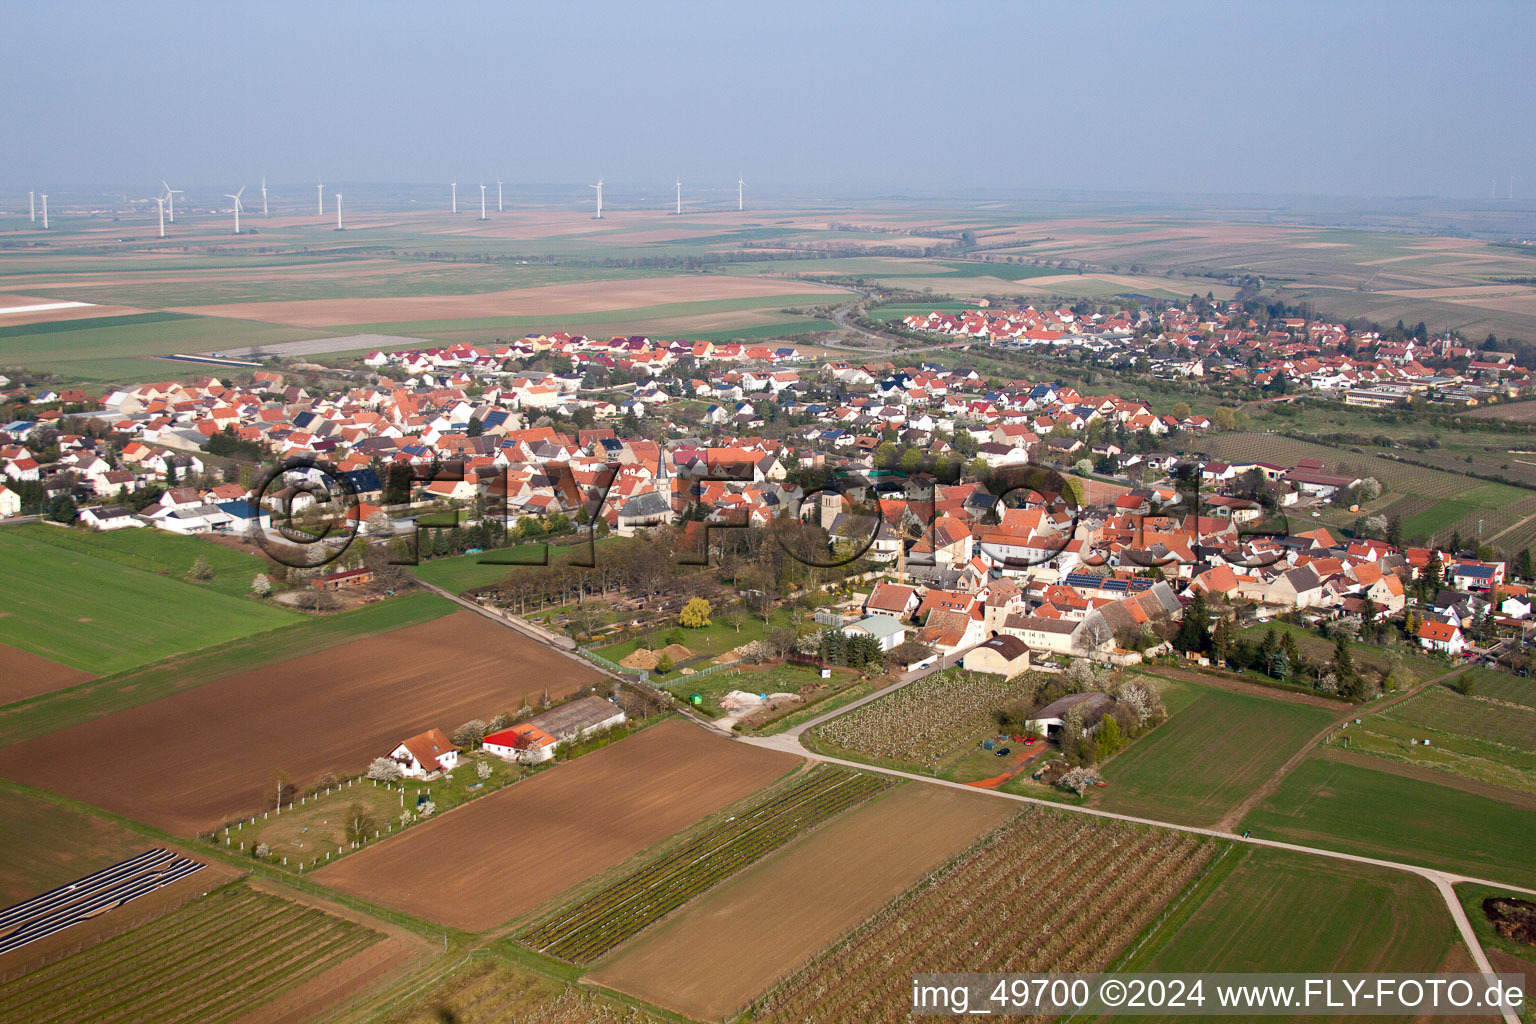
[338,211]
[236,197]
[170,200]
[45,210]
[320,199]
[498,195]
[599,187]
[679,195]
[32,205]
[740,185]
[160,202]
[264,195]
[482,201]
[455,187]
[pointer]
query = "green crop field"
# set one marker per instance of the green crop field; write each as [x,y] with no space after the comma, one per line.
[1503,686]
[303,635]
[586,930]
[1201,762]
[96,613]
[159,552]
[214,959]
[91,352]
[1284,911]
[1345,806]
[1478,739]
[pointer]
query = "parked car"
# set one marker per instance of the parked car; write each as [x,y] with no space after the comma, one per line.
[1001,752]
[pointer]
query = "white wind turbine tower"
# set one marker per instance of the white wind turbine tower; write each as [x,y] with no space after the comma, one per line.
[482,201]
[236,197]
[599,187]
[160,202]
[338,211]
[170,200]
[455,187]
[740,186]
[264,195]
[679,195]
[320,199]
[498,195]
[32,205]
[44,196]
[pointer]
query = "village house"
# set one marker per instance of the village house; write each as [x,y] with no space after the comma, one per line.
[425,754]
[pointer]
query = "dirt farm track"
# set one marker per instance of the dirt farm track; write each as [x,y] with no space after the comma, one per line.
[205,756]
[506,854]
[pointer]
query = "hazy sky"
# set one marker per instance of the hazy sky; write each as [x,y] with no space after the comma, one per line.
[1364,99]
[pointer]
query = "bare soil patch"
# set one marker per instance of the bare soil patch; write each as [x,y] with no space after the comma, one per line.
[726,948]
[544,300]
[23,675]
[504,855]
[208,755]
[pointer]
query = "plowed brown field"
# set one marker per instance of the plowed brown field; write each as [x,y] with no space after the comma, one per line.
[716,955]
[23,674]
[505,854]
[204,756]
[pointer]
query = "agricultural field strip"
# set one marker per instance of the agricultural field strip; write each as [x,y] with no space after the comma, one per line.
[982,911]
[588,929]
[1440,878]
[69,905]
[260,939]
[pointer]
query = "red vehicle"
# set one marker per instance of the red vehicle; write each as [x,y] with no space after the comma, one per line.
[1028,740]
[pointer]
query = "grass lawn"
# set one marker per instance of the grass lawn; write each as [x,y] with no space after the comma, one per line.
[1205,758]
[1360,810]
[714,639]
[160,552]
[777,679]
[96,613]
[1477,739]
[1432,521]
[1408,666]
[48,843]
[52,711]
[1274,910]
[458,573]
[318,824]
[1472,896]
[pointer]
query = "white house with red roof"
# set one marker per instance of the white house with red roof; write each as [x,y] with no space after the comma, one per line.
[425,753]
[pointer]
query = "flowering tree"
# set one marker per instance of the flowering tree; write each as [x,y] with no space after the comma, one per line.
[261,586]
[384,769]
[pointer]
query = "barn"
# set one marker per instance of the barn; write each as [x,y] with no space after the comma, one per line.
[1002,655]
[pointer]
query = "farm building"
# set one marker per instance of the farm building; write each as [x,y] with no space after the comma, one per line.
[1051,717]
[534,741]
[109,517]
[344,580]
[1001,655]
[886,630]
[424,754]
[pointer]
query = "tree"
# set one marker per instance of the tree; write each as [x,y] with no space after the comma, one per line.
[359,823]
[1194,631]
[469,734]
[1523,564]
[1343,659]
[1485,553]
[734,617]
[695,614]
[1432,576]
[664,664]
[1395,531]
[384,769]
[260,585]
[1180,411]
[62,509]
[1108,740]
[1369,489]
[202,570]
[1077,780]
